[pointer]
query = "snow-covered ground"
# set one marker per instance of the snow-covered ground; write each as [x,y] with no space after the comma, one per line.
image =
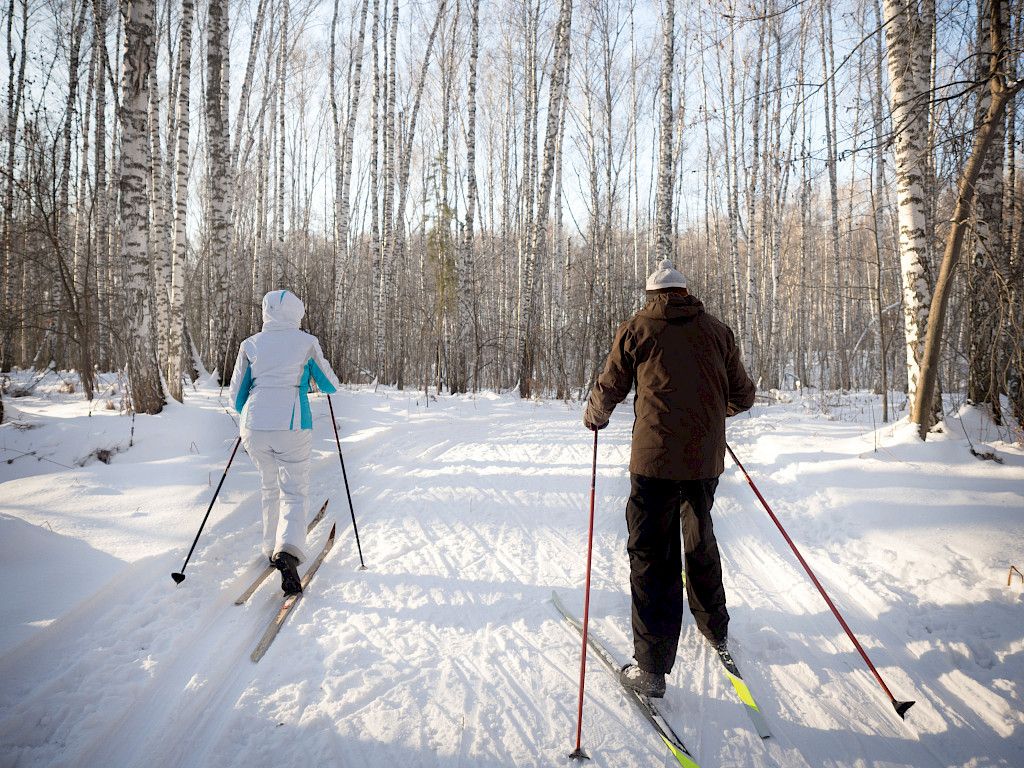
[447,651]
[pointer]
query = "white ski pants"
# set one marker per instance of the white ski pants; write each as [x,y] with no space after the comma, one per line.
[282,457]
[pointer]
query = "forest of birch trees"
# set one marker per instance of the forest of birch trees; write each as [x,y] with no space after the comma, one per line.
[469,194]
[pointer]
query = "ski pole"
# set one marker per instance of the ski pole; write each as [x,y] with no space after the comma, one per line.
[901,707]
[578,753]
[344,475]
[180,576]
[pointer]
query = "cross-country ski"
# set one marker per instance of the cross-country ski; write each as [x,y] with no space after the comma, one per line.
[647,708]
[265,573]
[743,693]
[740,687]
[290,601]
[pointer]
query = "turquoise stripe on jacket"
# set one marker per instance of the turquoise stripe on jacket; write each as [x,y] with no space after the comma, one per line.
[311,371]
[243,389]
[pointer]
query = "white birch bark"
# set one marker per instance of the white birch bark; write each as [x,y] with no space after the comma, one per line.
[751,246]
[217,239]
[828,65]
[101,213]
[399,182]
[83,254]
[908,34]
[173,364]
[15,95]
[879,205]
[80,247]
[262,249]
[237,156]
[538,237]
[278,262]
[159,233]
[465,318]
[730,122]
[344,144]
[663,201]
[388,219]
[923,412]
[143,371]
[374,195]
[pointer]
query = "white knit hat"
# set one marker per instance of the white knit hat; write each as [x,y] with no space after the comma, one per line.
[665,276]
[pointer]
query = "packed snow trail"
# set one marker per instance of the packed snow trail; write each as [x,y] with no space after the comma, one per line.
[446,652]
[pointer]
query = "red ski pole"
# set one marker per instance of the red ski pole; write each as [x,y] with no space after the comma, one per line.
[901,707]
[578,753]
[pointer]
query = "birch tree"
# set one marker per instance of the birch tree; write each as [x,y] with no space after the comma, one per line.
[176,327]
[465,317]
[143,371]
[663,214]
[1001,90]
[986,269]
[15,94]
[101,186]
[344,143]
[217,147]
[538,236]
[908,33]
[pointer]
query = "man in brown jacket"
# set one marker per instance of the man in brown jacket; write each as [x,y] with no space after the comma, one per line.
[689,378]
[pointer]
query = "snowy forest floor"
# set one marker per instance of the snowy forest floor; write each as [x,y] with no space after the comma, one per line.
[447,651]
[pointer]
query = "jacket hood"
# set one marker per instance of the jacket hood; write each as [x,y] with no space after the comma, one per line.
[669,306]
[282,310]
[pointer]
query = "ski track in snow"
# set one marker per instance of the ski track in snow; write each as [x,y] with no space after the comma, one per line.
[446,651]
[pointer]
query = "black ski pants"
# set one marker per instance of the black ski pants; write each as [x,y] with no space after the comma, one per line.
[654,514]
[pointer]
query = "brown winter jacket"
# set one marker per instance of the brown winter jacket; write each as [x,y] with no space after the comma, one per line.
[688,377]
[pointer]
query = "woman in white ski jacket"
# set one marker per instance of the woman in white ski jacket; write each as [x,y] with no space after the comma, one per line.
[269,388]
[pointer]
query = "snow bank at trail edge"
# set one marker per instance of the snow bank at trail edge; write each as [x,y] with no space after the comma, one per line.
[446,652]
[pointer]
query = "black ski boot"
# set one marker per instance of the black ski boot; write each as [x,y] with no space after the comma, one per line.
[722,649]
[648,684]
[288,564]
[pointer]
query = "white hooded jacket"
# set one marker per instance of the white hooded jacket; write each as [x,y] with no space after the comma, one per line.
[270,383]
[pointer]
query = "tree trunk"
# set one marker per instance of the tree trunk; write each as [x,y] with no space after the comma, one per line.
[538,238]
[101,213]
[217,235]
[908,35]
[923,413]
[841,378]
[986,273]
[82,271]
[465,319]
[159,242]
[344,144]
[663,201]
[15,94]
[175,337]
[400,182]
[143,371]
[390,158]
